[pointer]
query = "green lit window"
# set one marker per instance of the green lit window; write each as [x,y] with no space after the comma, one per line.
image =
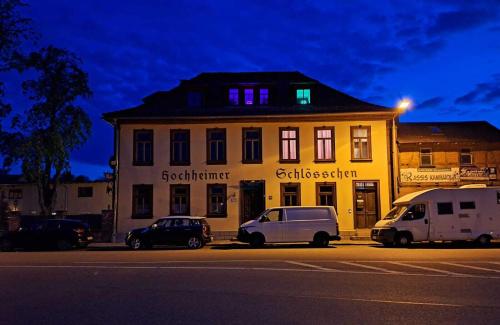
[303,96]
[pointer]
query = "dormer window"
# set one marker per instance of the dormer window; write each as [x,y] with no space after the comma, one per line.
[194,99]
[233,96]
[264,96]
[249,96]
[304,96]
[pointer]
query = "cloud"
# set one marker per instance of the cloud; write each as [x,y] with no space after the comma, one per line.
[484,92]
[431,102]
[458,20]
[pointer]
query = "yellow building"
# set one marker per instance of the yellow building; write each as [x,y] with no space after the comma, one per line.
[229,145]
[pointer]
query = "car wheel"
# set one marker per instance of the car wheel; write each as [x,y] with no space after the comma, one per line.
[63,245]
[136,244]
[403,240]
[194,242]
[6,245]
[484,241]
[321,240]
[257,240]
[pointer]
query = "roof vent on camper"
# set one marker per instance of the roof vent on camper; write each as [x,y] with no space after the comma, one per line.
[473,186]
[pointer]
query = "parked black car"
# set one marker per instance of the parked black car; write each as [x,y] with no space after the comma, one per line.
[194,232]
[46,234]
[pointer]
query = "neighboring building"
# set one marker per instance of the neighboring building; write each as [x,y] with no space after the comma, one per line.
[229,145]
[90,202]
[444,154]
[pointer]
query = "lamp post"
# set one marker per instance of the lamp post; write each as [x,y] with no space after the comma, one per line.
[402,106]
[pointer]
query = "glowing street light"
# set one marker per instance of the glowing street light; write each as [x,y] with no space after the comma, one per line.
[404,104]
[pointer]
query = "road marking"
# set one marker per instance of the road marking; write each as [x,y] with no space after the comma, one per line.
[427,268]
[386,301]
[471,267]
[311,266]
[368,267]
[497,263]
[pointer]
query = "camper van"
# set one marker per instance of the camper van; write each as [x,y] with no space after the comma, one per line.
[316,224]
[442,214]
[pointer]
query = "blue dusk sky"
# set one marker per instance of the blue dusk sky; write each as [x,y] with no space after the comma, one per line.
[443,54]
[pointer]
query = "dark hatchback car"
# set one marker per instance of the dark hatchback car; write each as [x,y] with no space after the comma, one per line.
[48,234]
[193,232]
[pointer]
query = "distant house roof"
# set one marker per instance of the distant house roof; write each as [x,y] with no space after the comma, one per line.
[429,132]
[12,179]
[173,103]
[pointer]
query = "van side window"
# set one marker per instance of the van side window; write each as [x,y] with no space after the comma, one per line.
[445,208]
[416,212]
[273,215]
[470,205]
[307,214]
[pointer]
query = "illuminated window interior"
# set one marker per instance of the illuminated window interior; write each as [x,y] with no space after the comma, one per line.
[248,96]
[303,96]
[264,96]
[233,96]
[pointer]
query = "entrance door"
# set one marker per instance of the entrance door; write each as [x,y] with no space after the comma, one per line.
[366,204]
[252,199]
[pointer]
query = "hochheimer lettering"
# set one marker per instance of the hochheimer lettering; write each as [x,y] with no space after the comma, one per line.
[193,176]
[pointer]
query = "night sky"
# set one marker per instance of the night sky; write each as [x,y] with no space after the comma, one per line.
[442,54]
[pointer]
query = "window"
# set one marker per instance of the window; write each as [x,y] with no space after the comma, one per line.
[445,208]
[264,96]
[252,145]
[143,147]
[179,200]
[216,200]
[248,96]
[465,157]
[179,147]
[290,194]
[361,143]
[216,146]
[303,96]
[194,99]
[416,212]
[326,194]
[273,215]
[324,144]
[425,157]
[142,201]
[470,205]
[15,194]
[306,214]
[233,96]
[289,144]
[85,191]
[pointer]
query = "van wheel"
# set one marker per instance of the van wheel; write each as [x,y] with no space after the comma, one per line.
[386,244]
[403,240]
[321,240]
[484,241]
[6,245]
[257,240]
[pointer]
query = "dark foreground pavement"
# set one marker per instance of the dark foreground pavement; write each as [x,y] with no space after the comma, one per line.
[231,284]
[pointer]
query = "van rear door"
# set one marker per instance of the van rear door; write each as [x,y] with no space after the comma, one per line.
[303,223]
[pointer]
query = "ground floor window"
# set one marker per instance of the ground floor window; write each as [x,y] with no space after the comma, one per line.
[179,200]
[290,194]
[326,194]
[216,200]
[142,201]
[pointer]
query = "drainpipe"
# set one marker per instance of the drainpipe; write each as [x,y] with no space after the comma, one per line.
[114,201]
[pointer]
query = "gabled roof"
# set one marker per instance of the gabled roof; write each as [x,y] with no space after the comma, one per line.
[429,132]
[173,103]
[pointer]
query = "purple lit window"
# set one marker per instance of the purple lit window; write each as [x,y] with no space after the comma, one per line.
[248,96]
[264,96]
[233,96]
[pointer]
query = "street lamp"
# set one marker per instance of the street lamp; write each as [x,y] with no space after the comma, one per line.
[403,105]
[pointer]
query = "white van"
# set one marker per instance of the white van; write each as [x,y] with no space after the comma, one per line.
[316,224]
[455,214]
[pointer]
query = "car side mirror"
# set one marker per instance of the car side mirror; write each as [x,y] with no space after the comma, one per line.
[263,219]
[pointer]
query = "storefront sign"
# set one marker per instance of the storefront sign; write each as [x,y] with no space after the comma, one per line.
[478,174]
[429,175]
[307,173]
[194,175]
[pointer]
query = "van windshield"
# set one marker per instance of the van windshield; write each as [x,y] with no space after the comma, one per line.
[396,212]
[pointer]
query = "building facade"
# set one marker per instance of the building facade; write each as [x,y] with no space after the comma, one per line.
[229,145]
[447,154]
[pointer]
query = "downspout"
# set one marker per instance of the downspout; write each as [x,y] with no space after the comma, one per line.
[114,201]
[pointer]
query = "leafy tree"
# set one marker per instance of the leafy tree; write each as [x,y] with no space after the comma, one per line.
[45,135]
[14,30]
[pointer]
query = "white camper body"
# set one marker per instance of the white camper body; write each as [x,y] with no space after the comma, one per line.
[442,214]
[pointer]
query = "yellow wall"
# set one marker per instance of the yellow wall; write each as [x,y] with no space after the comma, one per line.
[129,175]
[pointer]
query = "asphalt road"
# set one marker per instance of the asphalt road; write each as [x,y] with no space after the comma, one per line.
[232,284]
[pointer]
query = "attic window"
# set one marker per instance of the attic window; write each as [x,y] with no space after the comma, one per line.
[233,96]
[249,96]
[436,130]
[304,96]
[194,99]
[264,96]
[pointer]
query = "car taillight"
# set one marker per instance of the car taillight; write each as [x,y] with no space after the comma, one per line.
[79,230]
[205,230]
